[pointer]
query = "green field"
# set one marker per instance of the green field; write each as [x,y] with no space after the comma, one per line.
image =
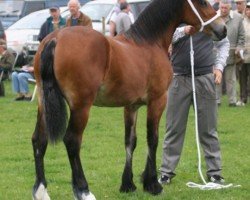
[103,155]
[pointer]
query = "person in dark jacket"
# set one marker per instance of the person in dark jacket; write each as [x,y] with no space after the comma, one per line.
[77,18]
[54,22]
[6,59]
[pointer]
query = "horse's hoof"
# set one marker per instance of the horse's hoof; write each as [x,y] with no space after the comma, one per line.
[128,188]
[85,196]
[154,188]
[41,193]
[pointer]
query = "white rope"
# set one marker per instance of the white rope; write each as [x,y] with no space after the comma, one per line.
[209,185]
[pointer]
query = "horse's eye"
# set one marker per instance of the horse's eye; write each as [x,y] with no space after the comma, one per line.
[203,2]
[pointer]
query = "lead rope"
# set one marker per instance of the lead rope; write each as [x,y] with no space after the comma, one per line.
[209,185]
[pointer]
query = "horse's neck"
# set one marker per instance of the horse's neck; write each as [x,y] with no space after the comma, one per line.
[167,39]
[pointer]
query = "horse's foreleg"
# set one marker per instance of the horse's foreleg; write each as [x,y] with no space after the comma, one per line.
[130,116]
[73,138]
[40,142]
[154,112]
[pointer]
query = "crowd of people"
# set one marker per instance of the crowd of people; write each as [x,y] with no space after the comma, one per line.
[20,77]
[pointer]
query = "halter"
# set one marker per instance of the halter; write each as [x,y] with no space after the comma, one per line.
[203,24]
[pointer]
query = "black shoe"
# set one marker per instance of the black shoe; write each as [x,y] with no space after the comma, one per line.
[216,179]
[232,105]
[164,180]
[27,98]
[19,98]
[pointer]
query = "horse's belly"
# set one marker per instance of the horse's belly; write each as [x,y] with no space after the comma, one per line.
[118,98]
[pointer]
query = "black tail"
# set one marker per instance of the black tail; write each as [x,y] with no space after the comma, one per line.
[53,100]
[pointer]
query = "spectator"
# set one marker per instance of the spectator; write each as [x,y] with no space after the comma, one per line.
[236,36]
[6,63]
[208,72]
[115,12]
[77,18]
[7,58]
[123,21]
[240,72]
[240,6]
[20,82]
[54,22]
[245,70]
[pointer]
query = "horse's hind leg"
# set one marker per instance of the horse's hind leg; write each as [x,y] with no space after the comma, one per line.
[73,138]
[154,112]
[40,142]
[130,116]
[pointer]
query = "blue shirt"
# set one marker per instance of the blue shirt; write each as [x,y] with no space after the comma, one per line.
[74,22]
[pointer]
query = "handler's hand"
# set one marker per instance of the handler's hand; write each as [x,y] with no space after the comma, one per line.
[189,30]
[217,76]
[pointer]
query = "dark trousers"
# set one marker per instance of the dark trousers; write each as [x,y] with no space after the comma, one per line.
[2,90]
[244,78]
[2,78]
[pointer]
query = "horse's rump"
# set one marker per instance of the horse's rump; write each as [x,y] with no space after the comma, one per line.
[80,62]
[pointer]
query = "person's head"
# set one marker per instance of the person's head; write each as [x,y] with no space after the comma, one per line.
[247,10]
[125,7]
[225,7]
[54,12]
[240,5]
[74,6]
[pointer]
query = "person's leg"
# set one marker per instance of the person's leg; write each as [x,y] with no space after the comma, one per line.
[243,83]
[230,77]
[16,86]
[248,80]
[218,93]
[2,89]
[23,82]
[15,82]
[207,123]
[178,104]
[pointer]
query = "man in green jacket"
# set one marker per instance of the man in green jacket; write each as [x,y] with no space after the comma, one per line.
[54,22]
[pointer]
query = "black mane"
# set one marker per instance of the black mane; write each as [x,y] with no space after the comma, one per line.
[153,22]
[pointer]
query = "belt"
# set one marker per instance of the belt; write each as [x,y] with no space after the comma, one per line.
[189,75]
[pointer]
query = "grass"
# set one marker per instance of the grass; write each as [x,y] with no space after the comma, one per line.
[103,155]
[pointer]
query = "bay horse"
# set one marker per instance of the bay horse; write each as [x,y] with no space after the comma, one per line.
[80,67]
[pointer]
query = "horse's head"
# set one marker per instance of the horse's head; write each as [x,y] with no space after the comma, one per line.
[201,15]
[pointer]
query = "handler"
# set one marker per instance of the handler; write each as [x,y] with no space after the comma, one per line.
[208,72]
